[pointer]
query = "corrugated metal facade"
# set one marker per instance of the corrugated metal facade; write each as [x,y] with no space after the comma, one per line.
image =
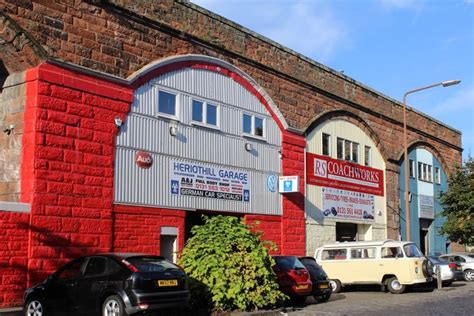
[146,130]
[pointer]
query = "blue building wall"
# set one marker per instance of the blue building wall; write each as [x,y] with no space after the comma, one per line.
[437,242]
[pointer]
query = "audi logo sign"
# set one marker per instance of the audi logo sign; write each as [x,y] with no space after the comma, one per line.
[143,159]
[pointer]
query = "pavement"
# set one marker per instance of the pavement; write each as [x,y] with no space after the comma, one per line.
[457,299]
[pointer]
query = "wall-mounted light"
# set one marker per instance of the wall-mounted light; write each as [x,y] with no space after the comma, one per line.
[280,154]
[409,196]
[173,131]
[9,129]
[118,121]
[248,147]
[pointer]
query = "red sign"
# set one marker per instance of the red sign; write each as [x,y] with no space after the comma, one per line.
[143,159]
[328,172]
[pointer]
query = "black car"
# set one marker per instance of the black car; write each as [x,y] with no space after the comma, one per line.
[109,285]
[321,287]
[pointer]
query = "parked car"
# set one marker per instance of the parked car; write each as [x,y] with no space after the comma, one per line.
[450,271]
[321,288]
[466,260]
[394,264]
[109,284]
[293,278]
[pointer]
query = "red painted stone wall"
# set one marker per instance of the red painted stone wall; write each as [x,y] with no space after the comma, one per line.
[67,164]
[269,226]
[137,229]
[13,256]
[293,223]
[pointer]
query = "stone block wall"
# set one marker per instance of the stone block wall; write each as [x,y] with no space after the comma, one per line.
[68,164]
[14,223]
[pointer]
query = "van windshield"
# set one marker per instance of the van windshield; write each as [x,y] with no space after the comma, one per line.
[412,251]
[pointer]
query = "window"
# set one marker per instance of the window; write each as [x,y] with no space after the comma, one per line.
[437,174]
[167,104]
[253,125]
[326,145]
[363,253]
[347,150]
[424,172]
[72,271]
[334,254]
[205,113]
[340,148]
[411,168]
[411,250]
[392,252]
[367,156]
[96,266]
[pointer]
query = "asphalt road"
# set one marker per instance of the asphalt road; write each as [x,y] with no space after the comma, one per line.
[458,299]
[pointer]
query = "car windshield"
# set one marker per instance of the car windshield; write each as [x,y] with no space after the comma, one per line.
[412,251]
[287,263]
[313,267]
[151,264]
[437,260]
[471,256]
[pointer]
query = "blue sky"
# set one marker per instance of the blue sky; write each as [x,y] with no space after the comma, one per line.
[390,45]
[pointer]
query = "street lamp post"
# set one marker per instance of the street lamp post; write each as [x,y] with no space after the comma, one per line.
[405,155]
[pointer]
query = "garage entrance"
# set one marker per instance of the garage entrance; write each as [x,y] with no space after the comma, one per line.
[346,232]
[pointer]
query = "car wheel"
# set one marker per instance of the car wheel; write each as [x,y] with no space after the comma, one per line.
[322,298]
[469,275]
[394,286]
[34,307]
[336,286]
[113,306]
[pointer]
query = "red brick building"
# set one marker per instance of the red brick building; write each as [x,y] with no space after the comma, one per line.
[90,87]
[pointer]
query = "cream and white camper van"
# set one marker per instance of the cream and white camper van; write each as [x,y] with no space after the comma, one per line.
[395,264]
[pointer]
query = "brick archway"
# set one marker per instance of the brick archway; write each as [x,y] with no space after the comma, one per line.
[351,118]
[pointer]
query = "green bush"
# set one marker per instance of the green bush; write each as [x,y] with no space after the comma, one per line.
[229,267]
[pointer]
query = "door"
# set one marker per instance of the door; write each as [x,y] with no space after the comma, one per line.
[424,242]
[346,232]
[168,247]
[62,287]
[92,285]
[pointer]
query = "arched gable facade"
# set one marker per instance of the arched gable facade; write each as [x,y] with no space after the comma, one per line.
[340,205]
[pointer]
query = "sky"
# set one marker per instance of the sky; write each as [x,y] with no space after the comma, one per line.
[392,46]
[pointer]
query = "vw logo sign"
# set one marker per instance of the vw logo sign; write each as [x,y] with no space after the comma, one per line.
[143,159]
[271,183]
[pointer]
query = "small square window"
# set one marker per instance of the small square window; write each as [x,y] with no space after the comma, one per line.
[258,126]
[211,114]
[367,156]
[197,111]
[247,123]
[437,175]
[253,125]
[326,144]
[167,103]
[340,148]
[412,168]
[355,153]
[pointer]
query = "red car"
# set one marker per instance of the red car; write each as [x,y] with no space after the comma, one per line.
[293,278]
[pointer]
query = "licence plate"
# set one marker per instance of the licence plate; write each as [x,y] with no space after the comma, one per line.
[302,287]
[323,286]
[167,282]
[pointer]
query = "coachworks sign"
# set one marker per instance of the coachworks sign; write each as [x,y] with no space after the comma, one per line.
[328,172]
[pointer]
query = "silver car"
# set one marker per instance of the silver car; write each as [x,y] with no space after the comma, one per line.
[466,260]
[450,271]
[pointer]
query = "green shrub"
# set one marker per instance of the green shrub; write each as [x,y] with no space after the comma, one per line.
[229,266]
